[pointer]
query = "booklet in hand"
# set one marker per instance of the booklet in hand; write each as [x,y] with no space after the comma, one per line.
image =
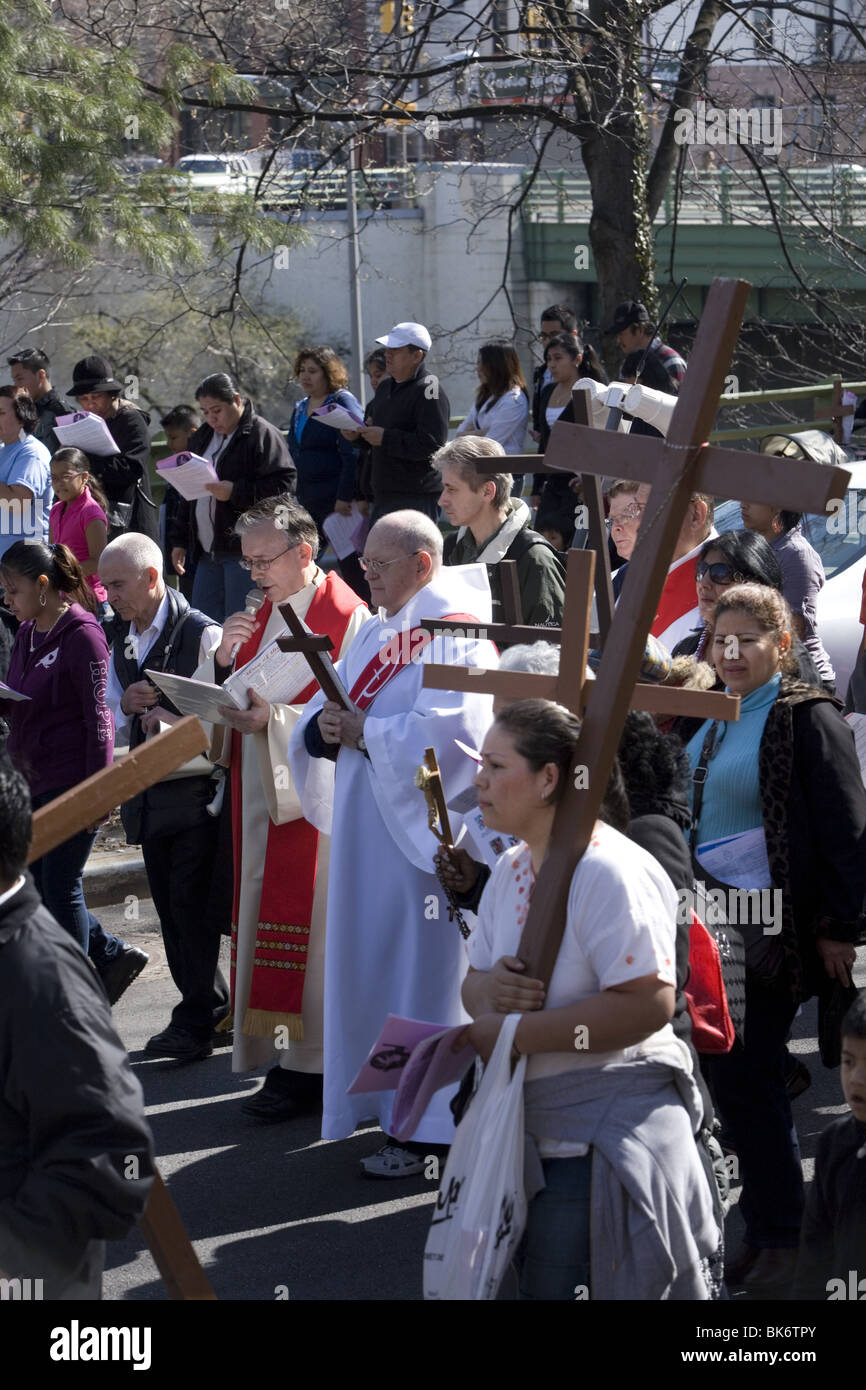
[86,431]
[415,1059]
[188,474]
[340,417]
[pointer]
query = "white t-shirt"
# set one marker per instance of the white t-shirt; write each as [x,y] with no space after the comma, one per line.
[621,925]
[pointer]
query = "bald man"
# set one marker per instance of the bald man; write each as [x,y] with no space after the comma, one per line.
[390,946]
[157,630]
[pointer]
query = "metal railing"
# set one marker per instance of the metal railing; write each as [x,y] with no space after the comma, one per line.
[376,190]
[724,196]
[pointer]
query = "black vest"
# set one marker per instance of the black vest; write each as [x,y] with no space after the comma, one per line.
[176,651]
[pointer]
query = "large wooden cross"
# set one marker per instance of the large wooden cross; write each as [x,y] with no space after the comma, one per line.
[160,1223]
[675,468]
[570,687]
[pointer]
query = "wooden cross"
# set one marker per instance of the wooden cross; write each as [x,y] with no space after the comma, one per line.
[160,1222]
[570,687]
[313,646]
[675,468]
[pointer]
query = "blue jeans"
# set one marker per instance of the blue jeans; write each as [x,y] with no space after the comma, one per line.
[748,1085]
[554,1253]
[57,876]
[220,587]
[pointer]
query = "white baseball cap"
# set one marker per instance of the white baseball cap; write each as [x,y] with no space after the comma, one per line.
[407,335]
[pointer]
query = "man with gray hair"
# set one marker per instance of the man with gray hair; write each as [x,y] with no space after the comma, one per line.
[156,629]
[391,947]
[494,526]
[281,862]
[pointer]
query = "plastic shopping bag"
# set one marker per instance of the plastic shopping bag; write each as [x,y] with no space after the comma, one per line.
[481,1208]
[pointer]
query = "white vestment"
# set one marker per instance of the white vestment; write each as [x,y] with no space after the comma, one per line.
[391,947]
[268,794]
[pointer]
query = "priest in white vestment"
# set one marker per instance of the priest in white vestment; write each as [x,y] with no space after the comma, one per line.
[281,862]
[391,946]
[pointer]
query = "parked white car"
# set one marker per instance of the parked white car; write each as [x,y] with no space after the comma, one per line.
[225,173]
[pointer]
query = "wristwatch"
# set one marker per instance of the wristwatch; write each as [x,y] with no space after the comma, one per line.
[361,745]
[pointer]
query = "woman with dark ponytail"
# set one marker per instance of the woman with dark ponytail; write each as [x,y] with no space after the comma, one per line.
[63,732]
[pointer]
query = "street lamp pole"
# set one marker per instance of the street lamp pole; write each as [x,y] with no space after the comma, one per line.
[357,373]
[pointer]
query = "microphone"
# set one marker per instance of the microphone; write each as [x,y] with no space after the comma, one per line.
[254,600]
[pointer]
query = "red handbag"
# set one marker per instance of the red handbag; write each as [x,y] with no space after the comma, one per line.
[712,1029]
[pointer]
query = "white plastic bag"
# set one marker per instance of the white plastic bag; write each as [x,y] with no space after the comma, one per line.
[481,1208]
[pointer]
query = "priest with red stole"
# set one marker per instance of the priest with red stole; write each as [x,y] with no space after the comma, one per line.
[280,860]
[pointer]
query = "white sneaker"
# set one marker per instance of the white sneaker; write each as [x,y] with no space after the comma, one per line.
[393,1161]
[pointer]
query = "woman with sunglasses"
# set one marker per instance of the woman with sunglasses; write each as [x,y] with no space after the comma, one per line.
[779,823]
[736,557]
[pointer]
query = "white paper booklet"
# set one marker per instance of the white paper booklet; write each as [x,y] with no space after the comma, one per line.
[346,533]
[86,431]
[740,860]
[338,417]
[188,474]
[7,693]
[276,676]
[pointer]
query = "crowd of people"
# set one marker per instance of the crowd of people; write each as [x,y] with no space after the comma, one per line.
[303,836]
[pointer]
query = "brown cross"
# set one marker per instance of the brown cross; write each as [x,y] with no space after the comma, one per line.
[315,648]
[675,468]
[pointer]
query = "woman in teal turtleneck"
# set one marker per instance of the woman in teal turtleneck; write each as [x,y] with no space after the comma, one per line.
[783,793]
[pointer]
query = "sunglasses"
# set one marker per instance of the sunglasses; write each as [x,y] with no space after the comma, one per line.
[719,573]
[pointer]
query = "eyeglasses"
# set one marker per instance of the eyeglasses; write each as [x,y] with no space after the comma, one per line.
[632,513]
[255,563]
[719,573]
[376,566]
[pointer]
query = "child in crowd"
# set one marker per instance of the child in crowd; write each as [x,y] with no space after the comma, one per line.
[832,1263]
[79,518]
[179,423]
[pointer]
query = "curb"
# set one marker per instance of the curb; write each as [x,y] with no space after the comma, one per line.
[109,878]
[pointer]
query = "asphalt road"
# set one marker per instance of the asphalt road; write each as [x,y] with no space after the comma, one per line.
[274,1212]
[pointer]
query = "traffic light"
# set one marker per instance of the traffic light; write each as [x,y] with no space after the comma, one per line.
[396,17]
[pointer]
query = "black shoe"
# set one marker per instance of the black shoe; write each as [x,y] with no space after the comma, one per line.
[285,1095]
[118,973]
[176,1043]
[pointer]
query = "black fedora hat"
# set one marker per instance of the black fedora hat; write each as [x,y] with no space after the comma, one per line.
[93,374]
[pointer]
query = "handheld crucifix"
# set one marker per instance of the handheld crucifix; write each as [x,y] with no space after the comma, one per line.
[315,648]
[160,1222]
[675,468]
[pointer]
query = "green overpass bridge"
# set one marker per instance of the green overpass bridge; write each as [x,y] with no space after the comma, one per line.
[723,226]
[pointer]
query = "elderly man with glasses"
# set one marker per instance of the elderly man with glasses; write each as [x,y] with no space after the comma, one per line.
[280,860]
[391,946]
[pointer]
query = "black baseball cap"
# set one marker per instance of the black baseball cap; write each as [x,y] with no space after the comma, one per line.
[629,312]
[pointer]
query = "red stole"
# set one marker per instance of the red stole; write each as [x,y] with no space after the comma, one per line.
[286,904]
[679,596]
[404,648]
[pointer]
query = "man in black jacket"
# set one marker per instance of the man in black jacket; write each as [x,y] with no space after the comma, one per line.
[76,1155]
[30,371]
[408,423]
[191,886]
[252,462]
